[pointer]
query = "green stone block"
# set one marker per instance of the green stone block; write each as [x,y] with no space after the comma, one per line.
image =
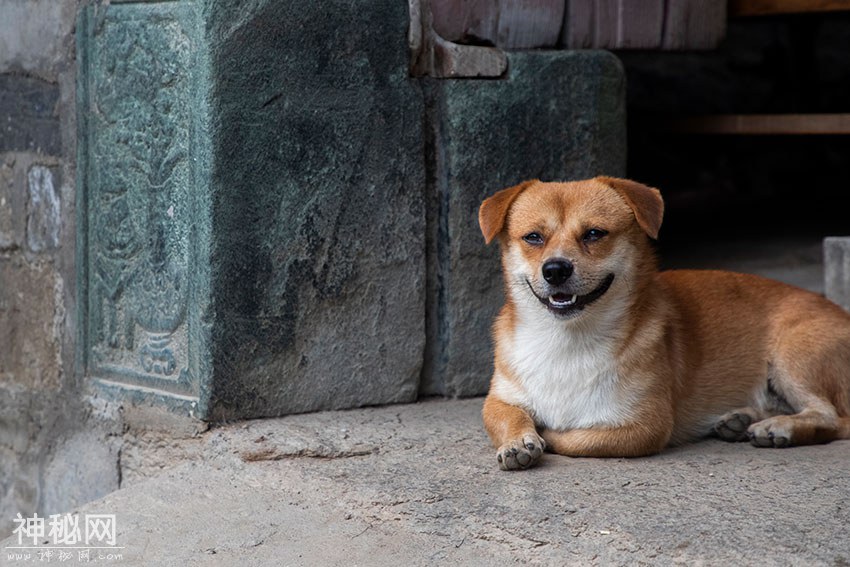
[251,220]
[318,261]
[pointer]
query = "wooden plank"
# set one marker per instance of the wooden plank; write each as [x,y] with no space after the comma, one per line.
[579,30]
[593,24]
[605,23]
[524,24]
[764,124]
[742,8]
[639,24]
[613,24]
[694,24]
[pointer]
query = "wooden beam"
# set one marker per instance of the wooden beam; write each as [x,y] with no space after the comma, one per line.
[693,24]
[764,124]
[737,8]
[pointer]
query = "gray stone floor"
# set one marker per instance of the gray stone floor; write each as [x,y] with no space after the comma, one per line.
[418,484]
[796,260]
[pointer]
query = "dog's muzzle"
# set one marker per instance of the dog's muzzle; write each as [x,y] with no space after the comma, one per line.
[564,304]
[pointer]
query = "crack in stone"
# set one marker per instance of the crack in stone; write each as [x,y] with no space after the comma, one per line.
[273,454]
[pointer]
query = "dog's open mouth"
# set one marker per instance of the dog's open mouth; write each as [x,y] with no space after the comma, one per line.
[566,304]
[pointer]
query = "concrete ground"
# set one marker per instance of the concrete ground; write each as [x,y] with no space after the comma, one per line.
[419,484]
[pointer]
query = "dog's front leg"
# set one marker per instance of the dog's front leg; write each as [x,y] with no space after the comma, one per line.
[512,431]
[633,440]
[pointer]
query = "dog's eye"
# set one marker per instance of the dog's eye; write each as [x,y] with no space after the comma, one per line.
[533,238]
[594,234]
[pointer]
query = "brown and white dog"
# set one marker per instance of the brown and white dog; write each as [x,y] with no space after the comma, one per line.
[599,354]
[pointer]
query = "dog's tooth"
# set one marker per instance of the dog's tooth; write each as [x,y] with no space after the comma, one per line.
[558,303]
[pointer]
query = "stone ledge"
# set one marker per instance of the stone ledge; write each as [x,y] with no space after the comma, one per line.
[836,252]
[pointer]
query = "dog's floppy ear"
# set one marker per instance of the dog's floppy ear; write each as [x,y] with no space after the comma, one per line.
[646,202]
[491,215]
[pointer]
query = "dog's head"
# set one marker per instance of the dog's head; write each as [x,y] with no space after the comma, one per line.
[571,245]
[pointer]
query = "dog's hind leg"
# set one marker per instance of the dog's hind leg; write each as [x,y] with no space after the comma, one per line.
[812,376]
[808,427]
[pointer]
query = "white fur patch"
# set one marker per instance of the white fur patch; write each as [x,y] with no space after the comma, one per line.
[566,369]
[566,380]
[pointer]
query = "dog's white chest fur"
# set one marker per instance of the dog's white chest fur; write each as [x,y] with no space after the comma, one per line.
[567,378]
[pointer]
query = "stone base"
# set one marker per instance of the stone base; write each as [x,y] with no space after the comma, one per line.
[836,256]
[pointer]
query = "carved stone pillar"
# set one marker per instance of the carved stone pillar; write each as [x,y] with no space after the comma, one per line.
[143,202]
[251,205]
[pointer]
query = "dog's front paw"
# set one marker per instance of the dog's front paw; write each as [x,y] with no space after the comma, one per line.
[521,452]
[733,426]
[771,432]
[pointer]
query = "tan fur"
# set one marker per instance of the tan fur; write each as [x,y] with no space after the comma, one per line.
[679,354]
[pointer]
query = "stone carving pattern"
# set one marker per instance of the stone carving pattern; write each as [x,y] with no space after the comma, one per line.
[138,222]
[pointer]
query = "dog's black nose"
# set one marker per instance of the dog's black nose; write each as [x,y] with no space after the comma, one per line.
[557,271]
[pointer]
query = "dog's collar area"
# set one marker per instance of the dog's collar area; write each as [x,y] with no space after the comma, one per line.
[567,304]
